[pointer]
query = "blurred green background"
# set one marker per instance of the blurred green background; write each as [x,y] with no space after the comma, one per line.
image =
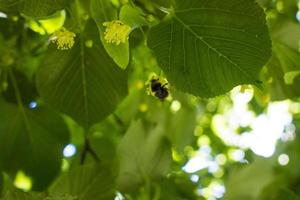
[243,145]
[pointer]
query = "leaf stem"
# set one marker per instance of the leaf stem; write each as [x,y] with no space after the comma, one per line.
[118,120]
[88,149]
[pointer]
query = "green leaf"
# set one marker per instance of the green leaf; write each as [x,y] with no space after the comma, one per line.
[178,187]
[286,36]
[132,16]
[83,82]
[32,141]
[163,3]
[286,195]
[181,128]
[88,182]
[103,11]
[208,47]
[241,180]
[279,90]
[288,57]
[287,32]
[15,194]
[33,8]
[284,67]
[26,88]
[143,156]
[9,5]
[1,182]
[290,77]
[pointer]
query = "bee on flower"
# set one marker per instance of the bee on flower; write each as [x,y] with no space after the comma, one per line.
[63,38]
[158,87]
[116,32]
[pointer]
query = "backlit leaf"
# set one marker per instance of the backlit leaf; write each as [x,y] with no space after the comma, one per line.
[207,47]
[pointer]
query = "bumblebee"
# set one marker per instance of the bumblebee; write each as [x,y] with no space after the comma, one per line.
[158,87]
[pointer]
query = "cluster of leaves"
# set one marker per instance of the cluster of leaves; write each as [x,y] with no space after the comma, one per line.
[92,95]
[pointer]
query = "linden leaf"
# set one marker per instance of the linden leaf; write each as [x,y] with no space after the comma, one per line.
[142,154]
[103,11]
[82,82]
[208,47]
[31,141]
[33,8]
[87,182]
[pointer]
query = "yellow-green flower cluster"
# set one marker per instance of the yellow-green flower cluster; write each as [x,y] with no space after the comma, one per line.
[63,38]
[116,32]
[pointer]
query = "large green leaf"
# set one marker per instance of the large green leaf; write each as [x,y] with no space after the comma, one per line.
[286,36]
[32,141]
[284,67]
[88,182]
[34,8]
[242,180]
[143,156]
[286,195]
[103,11]
[9,5]
[15,194]
[207,47]
[26,88]
[83,82]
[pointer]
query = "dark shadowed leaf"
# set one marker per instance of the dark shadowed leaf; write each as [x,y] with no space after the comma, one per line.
[32,141]
[33,8]
[15,194]
[286,195]
[83,82]
[1,182]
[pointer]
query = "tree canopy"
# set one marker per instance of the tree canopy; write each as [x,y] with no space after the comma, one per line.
[149,100]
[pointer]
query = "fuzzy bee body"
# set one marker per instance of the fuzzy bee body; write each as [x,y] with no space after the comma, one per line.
[160,90]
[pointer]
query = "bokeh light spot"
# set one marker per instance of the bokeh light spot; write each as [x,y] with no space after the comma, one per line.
[33,105]
[194,178]
[143,107]
[3,15]
[69,150]
[283,159]
[298,16]
[175,106]
[22,181]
